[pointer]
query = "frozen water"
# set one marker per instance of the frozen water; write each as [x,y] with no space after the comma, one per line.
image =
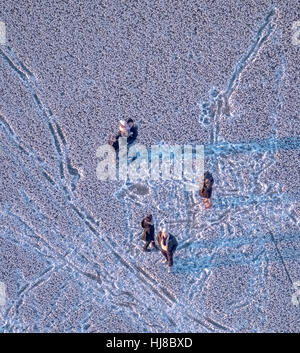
[224,75]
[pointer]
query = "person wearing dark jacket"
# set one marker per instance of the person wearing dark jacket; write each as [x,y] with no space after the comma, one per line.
[167,244]
[133,132]
[206,190]
[148,233]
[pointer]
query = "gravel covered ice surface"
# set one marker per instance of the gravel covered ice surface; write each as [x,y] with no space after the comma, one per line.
[224,74]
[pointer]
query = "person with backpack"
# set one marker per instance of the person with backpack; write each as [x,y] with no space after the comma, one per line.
[167,244]
[148,233]
[206,190]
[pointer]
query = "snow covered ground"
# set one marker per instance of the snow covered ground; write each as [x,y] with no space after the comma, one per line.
[222,74]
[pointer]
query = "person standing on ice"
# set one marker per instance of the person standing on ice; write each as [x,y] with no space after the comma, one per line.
[167,244]
[123,132]
[206,190]
[132,133]
[148,233]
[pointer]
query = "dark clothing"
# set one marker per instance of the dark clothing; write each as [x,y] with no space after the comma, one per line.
[133,132]
[148,232]
[147,243]
[205,192]
[171,247]
[207,188]
[116,143]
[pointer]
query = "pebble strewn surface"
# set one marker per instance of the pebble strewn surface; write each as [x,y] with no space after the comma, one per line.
[220,73]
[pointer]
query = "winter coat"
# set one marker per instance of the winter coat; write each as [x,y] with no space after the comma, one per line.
[171,245]
[116,143]
[206,190]
[148,232]
[133,132]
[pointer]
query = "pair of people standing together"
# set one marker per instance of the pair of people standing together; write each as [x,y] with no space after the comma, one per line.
[166,242]
[126,129]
